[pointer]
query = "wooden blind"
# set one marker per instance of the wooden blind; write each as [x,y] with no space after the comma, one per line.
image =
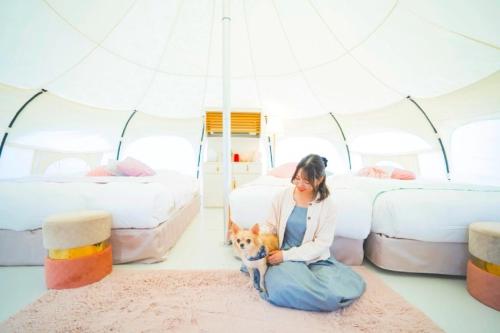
[242,123]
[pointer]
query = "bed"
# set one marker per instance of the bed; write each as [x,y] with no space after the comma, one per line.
[410,226]
[251,203]
[421,226]
[149,213]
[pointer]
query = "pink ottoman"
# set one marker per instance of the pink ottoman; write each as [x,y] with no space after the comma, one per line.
[483,269]
[484,286]
[79,251]
[74,273]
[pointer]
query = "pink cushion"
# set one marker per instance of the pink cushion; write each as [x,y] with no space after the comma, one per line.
[78,272]
[386,172]
[132,167]
[100,171]
[374,172]
[283,171]
[402,174]
[484,286]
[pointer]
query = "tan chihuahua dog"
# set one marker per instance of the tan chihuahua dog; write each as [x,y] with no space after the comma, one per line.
[253,247]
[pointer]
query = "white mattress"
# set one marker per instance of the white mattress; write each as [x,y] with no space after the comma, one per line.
[420,210]
[251,203]
[134,202]
[431,211]
[433,215]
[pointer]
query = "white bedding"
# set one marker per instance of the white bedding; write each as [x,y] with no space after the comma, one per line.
[251,203]
[433,215]
[134,202]
[420,210]
[431,211]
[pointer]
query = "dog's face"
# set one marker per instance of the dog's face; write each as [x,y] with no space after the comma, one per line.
[245,241]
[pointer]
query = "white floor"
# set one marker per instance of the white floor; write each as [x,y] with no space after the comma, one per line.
[445,300]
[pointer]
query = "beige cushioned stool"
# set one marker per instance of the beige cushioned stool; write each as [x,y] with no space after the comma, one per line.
[79,249]
[483,269]
[69,230]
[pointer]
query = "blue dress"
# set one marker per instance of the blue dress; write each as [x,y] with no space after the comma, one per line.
[326,285]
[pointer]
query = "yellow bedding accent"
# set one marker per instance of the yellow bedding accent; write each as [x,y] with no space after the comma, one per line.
[78,252]
[486,266]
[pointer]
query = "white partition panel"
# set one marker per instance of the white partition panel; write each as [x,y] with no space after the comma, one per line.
[52,123]
[11,100]
[163,143]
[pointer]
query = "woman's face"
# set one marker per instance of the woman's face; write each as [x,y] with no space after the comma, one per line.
[302,184]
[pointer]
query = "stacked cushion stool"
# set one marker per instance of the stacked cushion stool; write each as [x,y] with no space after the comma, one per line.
[79,251]
[483,268]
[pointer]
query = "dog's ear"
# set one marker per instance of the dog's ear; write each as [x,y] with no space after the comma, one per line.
[255,229]
[234,228]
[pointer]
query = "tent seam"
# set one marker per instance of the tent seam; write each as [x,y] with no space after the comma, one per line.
[162,55]
[254,69]
[146,67]
[363,67]
[98,44]
[209,53]
[296,60]
[453,32]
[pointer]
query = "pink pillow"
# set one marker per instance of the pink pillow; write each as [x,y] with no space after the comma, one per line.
[402,174]
[100,171]
[132,167]
[374,172]
[386,172]
[283,171]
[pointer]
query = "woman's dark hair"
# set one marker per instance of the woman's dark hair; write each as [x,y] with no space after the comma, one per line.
[313,168]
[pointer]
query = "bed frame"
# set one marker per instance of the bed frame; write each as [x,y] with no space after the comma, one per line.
[347,250]
[413,256]
[148,245]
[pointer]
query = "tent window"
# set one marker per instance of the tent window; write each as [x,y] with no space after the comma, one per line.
[164,152]
[67,167]
[356,161]
[390,164]
[15,162]
[294,149]
[431,165]
[65,140]
[389,143]
[475,153]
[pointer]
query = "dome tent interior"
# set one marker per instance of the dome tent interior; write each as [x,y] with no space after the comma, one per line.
[412,85]
[358,61]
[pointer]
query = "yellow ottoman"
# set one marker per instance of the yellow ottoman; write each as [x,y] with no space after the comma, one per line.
[483,268]
[79,251]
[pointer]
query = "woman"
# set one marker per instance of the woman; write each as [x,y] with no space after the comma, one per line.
[302,275]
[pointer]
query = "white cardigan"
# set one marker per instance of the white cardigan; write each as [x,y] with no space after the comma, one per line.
[320,227]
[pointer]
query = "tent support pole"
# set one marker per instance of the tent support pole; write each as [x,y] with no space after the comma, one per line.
[345,141]
[226,114]
[201,147]
[123,134]
[15,118]
[270,146]
[437,136]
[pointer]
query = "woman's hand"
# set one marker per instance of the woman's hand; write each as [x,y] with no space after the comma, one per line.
[275,257]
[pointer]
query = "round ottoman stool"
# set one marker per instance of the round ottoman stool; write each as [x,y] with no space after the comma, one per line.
[79,251]
[483,268]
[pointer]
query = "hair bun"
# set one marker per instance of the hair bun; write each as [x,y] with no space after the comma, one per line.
[325,161]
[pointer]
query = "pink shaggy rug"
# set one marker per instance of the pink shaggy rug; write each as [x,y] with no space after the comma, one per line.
[205,301]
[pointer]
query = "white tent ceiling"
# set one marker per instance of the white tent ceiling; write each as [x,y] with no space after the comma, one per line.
[294,58]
